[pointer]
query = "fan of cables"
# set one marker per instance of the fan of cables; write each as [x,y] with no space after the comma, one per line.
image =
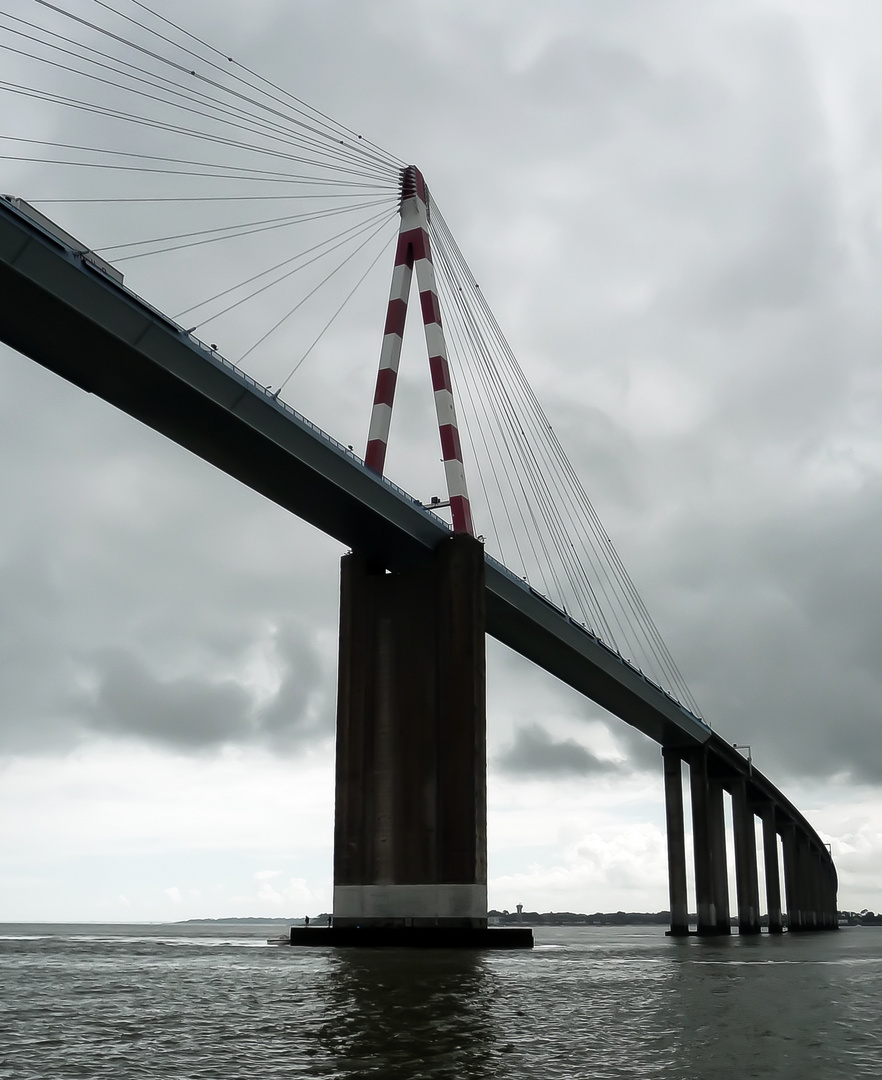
[247,199]
[260,198]
[538,516]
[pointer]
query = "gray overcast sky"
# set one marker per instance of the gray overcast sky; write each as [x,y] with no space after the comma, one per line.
[674,211]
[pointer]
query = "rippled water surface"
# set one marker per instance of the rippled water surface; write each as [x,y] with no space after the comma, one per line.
[178,1002]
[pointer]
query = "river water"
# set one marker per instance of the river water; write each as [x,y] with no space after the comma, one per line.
[182,1002]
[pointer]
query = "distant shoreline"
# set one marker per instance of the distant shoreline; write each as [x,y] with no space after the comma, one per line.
[536,918]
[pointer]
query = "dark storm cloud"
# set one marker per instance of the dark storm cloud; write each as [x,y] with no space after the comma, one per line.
[534,753]
[791,658]
[197,712]
[33,653]
[137,585]
[183,713]
[302,709]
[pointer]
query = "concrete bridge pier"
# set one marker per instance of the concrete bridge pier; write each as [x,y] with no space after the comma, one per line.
[673,773]
[812,871]
[709,845]
[746,877]
[826,916]
[810,883]
[770,865]
[410,829]
[718,855]
[410,834]
[792,881]
[809,865]
[832,890]
[701,845]
[827,885]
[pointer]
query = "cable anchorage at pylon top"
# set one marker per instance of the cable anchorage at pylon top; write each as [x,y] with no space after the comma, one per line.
[413,185]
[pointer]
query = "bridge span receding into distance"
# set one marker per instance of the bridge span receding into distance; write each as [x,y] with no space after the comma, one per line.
[71,313]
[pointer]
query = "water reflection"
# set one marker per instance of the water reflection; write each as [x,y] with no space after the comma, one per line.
[401,1013]
[604,1003]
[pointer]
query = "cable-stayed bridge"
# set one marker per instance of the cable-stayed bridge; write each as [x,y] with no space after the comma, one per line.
[67,307]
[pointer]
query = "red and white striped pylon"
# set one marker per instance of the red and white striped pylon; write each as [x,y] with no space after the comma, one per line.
[414,250]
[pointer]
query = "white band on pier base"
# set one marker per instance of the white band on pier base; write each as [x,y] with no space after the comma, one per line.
[410,901]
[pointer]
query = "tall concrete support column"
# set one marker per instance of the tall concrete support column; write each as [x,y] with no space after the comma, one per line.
[676,842]
[746,877]
[770,865]
[823,901]
[805,862]
[718,855]
[708,829]
[824,909]
[701,843]
[410,833]
[792,879]
[831,914]
[813,867]
[805,870]
[830,898]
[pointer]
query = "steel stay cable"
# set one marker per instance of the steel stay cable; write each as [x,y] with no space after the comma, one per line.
[611,599]
[643,635]
[322,332]
[286,140]
[461,379]
[643,627]
[483,303]
[520,474]
[195,243]
[466,377]
[190,198]
[313,112]
[263,176]
[465,419]
[462,385]
[667,659]
[249,226]
[457,307]
[312,292]
[536,483]
[647,628]
[247,173]
[158,125]
[140,48]
[187,93]
[349,234]
[507,423]
[521,502]
[525,470]
[285,262]
[651,636]
[608,547]
[375,150]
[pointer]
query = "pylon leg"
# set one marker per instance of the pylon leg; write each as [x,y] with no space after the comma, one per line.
[414,251]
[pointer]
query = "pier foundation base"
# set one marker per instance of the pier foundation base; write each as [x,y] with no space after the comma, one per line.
[427,937]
